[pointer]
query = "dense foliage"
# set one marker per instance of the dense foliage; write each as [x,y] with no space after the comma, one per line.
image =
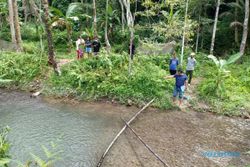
[4,147]
[20,68]
[226,88]
[107,77]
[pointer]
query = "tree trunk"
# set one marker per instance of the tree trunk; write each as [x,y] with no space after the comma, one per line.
[69,35]
[51,53]
[215,27]
[95,20]
[108,47]
[130,22]
[12,25]
[25,11]
[123,17]
[184,33]
[198,36]
[236,30]
[245,29]
[17,26]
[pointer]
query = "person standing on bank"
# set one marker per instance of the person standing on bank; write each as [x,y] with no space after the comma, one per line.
[180,85]
[173,64]
[190,67]
[79,47]
[96,46]
[88,45]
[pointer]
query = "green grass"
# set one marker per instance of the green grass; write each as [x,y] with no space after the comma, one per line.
[107,77]
[234,93]
[20,68]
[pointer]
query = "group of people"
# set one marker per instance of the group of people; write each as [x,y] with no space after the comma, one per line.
[181,77]
[88,46]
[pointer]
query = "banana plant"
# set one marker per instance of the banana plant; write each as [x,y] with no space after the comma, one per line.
[221,72]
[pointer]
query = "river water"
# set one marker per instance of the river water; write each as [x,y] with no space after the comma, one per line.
[80,132]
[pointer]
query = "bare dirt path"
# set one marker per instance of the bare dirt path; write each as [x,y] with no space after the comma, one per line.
[180,138]
[62,62]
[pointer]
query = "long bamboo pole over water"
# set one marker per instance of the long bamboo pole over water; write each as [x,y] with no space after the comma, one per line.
[121,131]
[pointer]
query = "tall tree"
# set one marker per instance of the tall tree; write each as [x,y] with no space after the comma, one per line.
[14,25]
[236,31]
[17,26]
[184,33]
[11,21]
[122,15]
[95,20]
[106,27]
[245,29]
[25,10]
[130,22]
[51,53]
[215,26]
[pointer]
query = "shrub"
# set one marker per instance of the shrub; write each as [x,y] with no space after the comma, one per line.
[20,68]
[107,77]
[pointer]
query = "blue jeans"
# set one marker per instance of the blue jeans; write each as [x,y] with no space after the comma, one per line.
[88,50]
[179,91]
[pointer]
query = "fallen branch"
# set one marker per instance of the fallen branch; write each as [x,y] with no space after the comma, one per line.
[121,131]
[157,156]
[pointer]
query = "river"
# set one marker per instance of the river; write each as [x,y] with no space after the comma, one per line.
[80,132]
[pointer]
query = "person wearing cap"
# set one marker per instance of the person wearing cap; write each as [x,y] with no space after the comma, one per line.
[180,85]
[191,63]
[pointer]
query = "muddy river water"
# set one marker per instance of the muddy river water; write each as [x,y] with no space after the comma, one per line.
[81,132]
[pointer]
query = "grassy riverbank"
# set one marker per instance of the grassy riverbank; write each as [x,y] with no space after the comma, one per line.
[106,77]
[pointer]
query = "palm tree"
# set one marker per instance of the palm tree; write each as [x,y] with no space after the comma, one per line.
[245,29]
[51,53]
[215,26]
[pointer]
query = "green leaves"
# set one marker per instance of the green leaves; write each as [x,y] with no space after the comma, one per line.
[107,77]
[4,147]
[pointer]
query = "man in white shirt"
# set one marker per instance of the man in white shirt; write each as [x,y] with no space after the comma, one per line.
[190,67]
[80,47]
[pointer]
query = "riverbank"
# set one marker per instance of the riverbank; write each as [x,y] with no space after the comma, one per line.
[179,137]
[106,78]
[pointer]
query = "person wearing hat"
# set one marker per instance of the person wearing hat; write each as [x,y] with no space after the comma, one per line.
[190,67]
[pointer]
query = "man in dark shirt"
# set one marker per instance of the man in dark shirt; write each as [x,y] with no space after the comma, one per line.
[131,49]
[96,46]
[180,85]
[88,45]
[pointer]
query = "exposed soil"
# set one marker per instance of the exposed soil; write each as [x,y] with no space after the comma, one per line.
[180,138]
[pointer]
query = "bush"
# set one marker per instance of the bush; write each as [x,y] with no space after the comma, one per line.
[228,93]
[20,68]
[107,77]
[30,32]
[4,147]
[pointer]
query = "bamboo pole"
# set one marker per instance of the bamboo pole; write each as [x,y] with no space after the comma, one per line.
[147,146]
[121,131]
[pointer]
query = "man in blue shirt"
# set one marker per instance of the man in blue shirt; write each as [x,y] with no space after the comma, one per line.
[180,85]
[173,64]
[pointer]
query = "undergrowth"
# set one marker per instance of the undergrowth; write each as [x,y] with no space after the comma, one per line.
[107,77]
